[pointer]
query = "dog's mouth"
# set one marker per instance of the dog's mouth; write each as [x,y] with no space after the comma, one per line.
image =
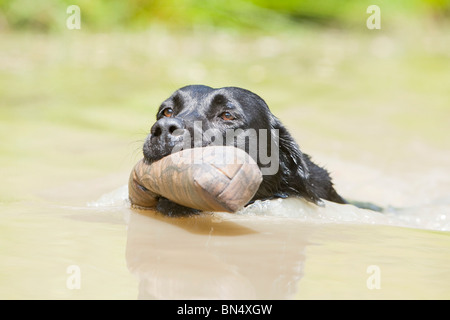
[155,149]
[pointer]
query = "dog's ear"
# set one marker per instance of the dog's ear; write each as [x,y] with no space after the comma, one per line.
[293,166]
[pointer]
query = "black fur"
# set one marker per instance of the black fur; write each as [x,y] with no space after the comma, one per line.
[297,175]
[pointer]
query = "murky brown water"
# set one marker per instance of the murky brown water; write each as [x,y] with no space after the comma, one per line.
[283,249]
[273,258]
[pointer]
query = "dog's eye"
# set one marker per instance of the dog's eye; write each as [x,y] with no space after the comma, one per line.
[227,116]
[168,112]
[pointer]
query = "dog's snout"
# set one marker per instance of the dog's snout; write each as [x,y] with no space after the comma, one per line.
[167,127]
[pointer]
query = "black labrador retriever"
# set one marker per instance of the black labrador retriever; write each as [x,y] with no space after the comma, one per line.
[197,116]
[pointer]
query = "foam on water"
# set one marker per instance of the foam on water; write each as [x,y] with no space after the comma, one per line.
[433,216]
[117,197]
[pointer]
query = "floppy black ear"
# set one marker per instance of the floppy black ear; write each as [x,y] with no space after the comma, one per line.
[294,169]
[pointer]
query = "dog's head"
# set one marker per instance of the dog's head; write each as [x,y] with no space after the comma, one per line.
[198,116]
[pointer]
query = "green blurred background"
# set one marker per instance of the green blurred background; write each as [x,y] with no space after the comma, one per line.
[77,104]
[243,15]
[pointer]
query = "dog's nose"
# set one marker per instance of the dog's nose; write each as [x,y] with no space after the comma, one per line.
[167,127]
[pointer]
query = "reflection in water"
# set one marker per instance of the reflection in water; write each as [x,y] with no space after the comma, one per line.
[257,253]
[218,256]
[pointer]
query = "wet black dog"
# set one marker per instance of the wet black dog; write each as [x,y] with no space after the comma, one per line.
[197,116]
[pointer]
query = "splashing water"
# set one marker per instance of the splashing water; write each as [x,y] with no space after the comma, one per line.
[434,216]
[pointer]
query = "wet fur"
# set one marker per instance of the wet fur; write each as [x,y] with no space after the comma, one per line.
[297,175]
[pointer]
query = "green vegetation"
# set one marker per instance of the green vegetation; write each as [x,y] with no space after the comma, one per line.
[265,15]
